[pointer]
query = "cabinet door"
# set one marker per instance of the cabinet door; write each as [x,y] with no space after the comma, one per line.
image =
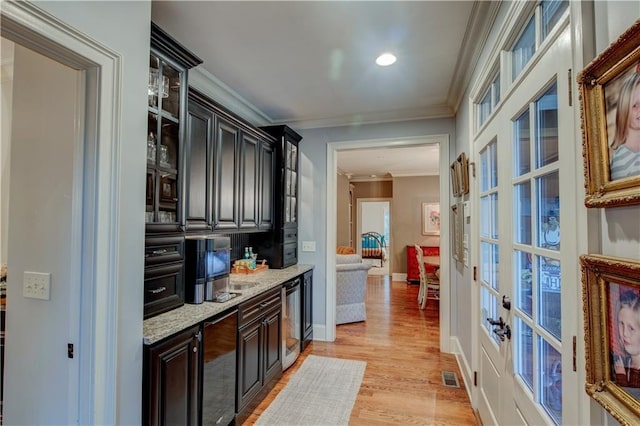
[267,170]
[249,184]
[273,344]
[307,309]
[250,359]
[198,166]
[172,379]
[226,176]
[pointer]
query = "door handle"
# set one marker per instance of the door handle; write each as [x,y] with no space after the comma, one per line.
[503,332]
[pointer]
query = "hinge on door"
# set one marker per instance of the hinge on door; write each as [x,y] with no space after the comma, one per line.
[570,87]
[70,350]
[574,354]
[473,168]
[475,378]
[475,273]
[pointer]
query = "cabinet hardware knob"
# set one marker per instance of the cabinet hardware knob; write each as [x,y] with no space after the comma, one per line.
[157,290]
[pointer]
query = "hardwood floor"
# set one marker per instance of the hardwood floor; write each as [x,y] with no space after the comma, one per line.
[402,383]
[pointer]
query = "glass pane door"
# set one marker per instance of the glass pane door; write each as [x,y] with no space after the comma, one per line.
[537,279]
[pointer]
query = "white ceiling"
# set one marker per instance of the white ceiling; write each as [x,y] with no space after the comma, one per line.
[312,64]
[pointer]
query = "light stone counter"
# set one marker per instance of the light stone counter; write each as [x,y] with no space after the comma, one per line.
[249,285]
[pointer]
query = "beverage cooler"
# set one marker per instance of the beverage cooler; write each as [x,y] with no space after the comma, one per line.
[291,323]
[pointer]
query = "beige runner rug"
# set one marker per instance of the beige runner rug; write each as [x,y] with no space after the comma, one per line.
[321,392]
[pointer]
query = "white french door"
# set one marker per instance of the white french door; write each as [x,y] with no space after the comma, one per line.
[527,285]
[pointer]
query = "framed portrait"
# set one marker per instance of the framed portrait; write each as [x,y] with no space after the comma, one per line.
[609,87]
[430,219]
[463,163]
[455,179]
[611,308]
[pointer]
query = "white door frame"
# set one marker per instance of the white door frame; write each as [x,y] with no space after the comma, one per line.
[332,183]
[95,203]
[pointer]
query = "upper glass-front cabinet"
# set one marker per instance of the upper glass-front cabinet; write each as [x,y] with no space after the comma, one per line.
[291,182]
[168,65]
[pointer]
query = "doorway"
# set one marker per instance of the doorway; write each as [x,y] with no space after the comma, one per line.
[333,148]
[374,215]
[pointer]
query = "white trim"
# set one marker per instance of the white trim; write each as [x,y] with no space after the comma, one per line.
[463,365]
[399,276]
[95,201]
[332,169]
[320,332]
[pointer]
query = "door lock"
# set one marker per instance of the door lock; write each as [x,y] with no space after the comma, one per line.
[499,322]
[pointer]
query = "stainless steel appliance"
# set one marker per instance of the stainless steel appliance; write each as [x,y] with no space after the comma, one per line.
[207,265]
[291,323]
[219,370]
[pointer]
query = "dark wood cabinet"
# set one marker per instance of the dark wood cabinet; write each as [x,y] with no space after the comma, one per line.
[259,349]
[307,309]
[280,248]
[163,274]
[171,380]
[226,173]
[199,165]
[267,170]
[169,63]
[249,181]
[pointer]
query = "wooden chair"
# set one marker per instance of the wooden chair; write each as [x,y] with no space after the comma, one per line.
[429,283]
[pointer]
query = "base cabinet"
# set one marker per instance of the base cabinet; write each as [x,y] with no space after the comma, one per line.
[259,350]
[171,380]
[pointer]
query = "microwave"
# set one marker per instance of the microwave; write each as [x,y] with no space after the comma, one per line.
[207,261]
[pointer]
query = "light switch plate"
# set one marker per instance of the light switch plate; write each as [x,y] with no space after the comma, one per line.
[308,246]
[37,285]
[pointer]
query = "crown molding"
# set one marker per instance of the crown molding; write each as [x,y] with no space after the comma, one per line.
[483,15]
[210,85]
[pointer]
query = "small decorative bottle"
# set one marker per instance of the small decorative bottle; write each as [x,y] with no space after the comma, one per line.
[252,258]
[151,148]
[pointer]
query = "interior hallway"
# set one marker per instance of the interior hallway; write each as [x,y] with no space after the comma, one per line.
[402,382]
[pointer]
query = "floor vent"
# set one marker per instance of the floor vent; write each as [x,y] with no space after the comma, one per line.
[450,379]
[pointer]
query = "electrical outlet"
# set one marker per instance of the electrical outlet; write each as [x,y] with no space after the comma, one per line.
[36,285]
[308,246]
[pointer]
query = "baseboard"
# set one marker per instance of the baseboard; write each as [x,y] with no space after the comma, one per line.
[399,276]
[464,366]
[320,332]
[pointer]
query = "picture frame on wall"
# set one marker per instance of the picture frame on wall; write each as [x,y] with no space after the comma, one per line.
[611,296]
[463,166]
[455,179]
[430,219]
[611,151]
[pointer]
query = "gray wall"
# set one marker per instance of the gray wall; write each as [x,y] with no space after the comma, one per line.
[313,170]
[123,27]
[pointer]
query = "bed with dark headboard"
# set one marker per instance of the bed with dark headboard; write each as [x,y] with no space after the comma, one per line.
[374,247]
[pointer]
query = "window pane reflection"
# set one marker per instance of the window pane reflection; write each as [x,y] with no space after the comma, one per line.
[489,264]
[489,311]
[523,49]
[552,10]
[549,295]
[549,211]
[523,280]
[524,352]
[547,131]
[522,213]
[522,147]
[550,379]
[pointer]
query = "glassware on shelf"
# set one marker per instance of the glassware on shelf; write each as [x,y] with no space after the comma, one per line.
[151,148]
[164,156]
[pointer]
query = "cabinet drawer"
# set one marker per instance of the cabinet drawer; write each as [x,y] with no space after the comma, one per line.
[289,254]
[256,307]
[163,288]
[290,235]
[163,250]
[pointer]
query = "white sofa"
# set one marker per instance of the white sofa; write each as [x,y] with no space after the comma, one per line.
[351,288]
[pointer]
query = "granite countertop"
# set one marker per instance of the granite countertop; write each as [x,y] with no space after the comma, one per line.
[248,285]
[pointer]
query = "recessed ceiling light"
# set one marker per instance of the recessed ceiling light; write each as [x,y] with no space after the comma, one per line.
[386,59]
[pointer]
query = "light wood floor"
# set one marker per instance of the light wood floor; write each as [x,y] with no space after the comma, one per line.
[402,383]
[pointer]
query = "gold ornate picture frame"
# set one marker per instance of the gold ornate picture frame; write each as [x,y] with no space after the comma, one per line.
[463,166]
[611,154]
[611,308]
[455,179]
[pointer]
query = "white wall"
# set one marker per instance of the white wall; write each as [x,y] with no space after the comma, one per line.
[6,97]
[313,203]
[372,219]
[123,27]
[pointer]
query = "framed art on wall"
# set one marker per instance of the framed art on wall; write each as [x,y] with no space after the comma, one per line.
[430,219]
[610,111]
[611,304]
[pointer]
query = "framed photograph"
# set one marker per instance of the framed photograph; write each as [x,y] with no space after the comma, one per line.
[455,179]
[609,87]
[611,308]
[430,219]
[463,163]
